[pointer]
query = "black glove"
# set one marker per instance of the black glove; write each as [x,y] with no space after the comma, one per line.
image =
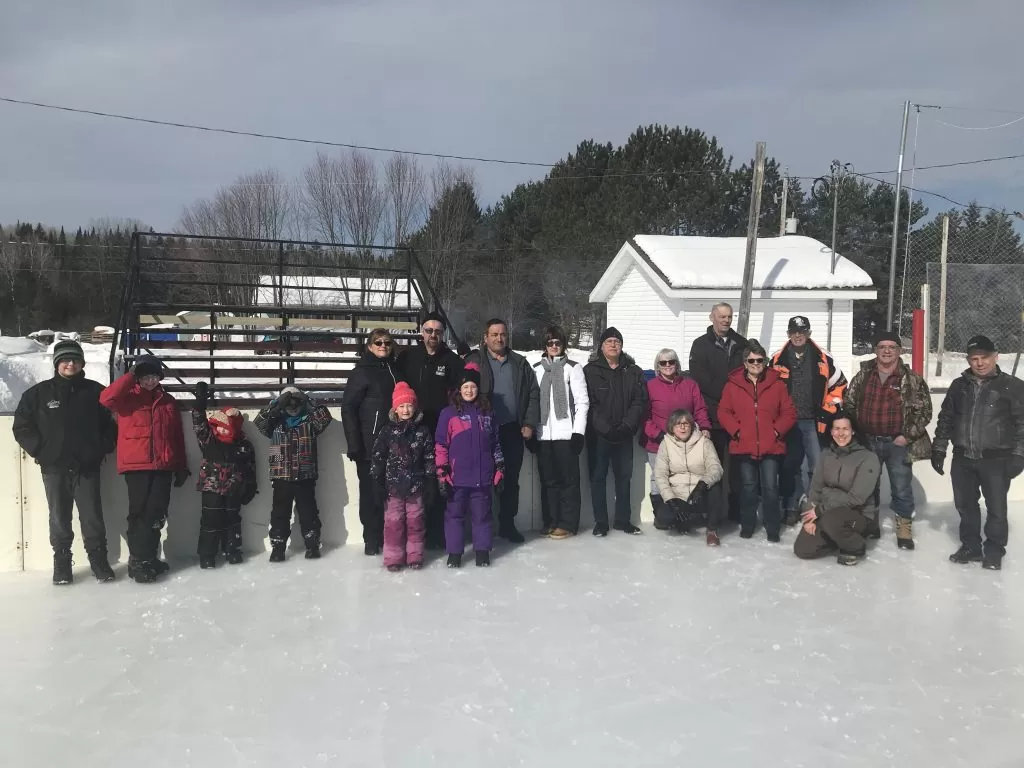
[577,442]
[202,395]
[274,409]
[445,489]
[531,444]
[1016,465]
[938,459]
[356,455]
[180,477]
[698,492]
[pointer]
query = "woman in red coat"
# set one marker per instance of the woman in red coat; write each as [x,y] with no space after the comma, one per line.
[150,455]
[757,412]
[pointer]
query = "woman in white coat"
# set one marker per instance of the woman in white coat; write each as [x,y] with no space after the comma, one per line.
[564,403]
[685,469]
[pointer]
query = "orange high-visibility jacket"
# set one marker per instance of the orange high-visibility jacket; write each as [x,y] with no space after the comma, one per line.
[829,381]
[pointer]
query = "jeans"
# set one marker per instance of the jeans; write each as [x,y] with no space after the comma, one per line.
[602,454]
[801,442]
[972,478]
[896,460]
[751,471]
[64,489]
[512,446]
[652,458]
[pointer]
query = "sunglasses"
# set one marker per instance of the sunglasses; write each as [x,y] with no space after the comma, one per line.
[433,331]
[755,361]
[553,343]
[667,363]
[381,343]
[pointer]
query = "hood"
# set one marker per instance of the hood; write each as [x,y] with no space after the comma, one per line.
[739,376]
[597,358]
[695,437]
[854,447]
[417,417]
[370,360]
[442,348]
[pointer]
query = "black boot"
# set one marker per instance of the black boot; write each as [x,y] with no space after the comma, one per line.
[507,531]
[142,571]
[209,543]
[101,566]
[992,561]
[313,551]
[965,555]
[62,567]
[849,558]
[454,561]
[277,552]
[662,521]
[483,559]
[627,528]
[207,561]
[232,542]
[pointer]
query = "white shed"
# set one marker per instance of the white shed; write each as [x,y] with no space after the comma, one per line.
[659,291]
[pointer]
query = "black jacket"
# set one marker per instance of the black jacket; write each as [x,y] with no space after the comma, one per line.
[366,403]
[983,417]
[432,377]
[710,366]
[526,388]
[618,397]
[61,424]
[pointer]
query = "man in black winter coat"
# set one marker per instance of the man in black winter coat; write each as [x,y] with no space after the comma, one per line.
[983,415]
[712,357]
[432,370]
[618,401]
[61,424]
[510,384]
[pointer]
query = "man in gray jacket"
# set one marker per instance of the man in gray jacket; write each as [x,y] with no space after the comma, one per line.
[983,416]
[510,384]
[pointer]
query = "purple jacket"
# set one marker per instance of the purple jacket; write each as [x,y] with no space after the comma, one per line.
[466,447]
[665,397]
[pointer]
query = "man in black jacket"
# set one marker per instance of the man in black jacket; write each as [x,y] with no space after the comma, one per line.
[618,401]
[510,384]
[432,370]
[983,415]
[61,424]
[712,357]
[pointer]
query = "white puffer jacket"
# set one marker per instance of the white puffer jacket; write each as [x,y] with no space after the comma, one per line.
[681,465]
[579,404]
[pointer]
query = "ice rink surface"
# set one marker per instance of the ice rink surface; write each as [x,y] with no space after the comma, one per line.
[629,651]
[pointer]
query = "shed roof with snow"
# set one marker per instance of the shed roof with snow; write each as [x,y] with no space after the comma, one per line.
[706,267]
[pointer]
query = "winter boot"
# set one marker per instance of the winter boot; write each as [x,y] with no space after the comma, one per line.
[209,544]
[849,558]
[415,565]
[235,556]
[992,561]
[142,571]
[792,518]
[232,543]
[711,537]
[455,561]
[207,561]
[965,555]
[662,517]
[601,529]
[627,528]
[483,559]
[559,533]
[395,568]
[277,552]
[546,529]
[509,532]
[313,551]
[904,532]
[62,567]
[101,566]
[371,549]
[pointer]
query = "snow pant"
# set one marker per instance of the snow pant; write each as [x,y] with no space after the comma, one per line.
[149,496]
[841,528]
[760,484]
[220,525]
[512,446]
[478,500]
[404,530]
[802,442]
[696,515]
[973,478]
[65,489]
[559,469]
[602,454]
[434,513]
[896,460]
[726,497]
[371,505]
[301,493]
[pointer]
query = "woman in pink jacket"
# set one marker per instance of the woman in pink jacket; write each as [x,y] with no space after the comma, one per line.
[668,391]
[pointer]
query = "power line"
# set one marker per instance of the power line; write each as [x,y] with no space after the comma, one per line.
[977,161]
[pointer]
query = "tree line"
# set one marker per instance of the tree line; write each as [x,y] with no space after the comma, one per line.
[532,257]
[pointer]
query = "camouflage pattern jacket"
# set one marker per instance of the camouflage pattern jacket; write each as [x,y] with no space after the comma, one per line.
[916,403]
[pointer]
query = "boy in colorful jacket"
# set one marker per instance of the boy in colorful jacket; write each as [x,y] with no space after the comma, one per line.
[293,422]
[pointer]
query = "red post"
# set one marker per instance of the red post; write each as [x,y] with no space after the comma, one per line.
[917,343]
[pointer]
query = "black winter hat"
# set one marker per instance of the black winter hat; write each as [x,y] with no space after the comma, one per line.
[146,365]
[980,344]
[799,324]
[67,349]
[611,332]
[435,317]
[470,373]
[887,336]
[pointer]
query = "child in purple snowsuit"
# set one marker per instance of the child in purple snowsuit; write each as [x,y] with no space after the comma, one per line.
[469,463]
[402,459]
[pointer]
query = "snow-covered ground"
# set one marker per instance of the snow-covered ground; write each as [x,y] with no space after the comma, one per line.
[627,651]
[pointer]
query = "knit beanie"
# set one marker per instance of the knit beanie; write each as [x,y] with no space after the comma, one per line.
[888,336]
[146,365]
[471,373]
[402,395]
[67,349]
[611,333]
[226,424]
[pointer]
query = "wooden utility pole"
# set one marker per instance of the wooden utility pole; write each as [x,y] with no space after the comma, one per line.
[785,197]
[747,289]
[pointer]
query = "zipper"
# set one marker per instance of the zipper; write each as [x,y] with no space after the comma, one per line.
[376,415]
[757,428]
[970,430]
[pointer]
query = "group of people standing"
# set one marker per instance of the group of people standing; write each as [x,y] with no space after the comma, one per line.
[437,437]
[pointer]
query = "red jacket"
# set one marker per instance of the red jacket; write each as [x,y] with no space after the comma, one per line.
[149,432]
[757,419]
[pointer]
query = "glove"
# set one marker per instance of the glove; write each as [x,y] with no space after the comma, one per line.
[202,395]
[577,442]
[274,409]
[499,481]
[180,477]
[445,489]
[938,459]
[531,444]
[1016,465]
[698,492]
[356,455]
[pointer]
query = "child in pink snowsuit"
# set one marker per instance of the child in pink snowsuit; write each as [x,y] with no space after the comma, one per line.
[469,464]
[403,457]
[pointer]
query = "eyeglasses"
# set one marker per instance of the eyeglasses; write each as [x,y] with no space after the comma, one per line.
[382,343]
[888,348]
[667,363]
[754,361]
[553,343]
[433,331]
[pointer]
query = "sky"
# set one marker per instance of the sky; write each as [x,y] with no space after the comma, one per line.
[527,80]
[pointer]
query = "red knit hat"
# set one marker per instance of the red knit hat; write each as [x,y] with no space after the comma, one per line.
[226,424]
[403,394]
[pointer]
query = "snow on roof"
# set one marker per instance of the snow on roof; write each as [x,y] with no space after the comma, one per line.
[300,290]
[790,262]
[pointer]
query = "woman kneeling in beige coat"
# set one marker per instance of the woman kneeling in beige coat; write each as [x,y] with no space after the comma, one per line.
[685,468]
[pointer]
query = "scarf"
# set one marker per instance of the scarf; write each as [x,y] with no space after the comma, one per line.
[553,382]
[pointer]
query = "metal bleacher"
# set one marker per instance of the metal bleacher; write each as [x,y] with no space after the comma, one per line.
[253,316]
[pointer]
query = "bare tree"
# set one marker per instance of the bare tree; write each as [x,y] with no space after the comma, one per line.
[406,197]
[445,241]
[363,201]
[321,198]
